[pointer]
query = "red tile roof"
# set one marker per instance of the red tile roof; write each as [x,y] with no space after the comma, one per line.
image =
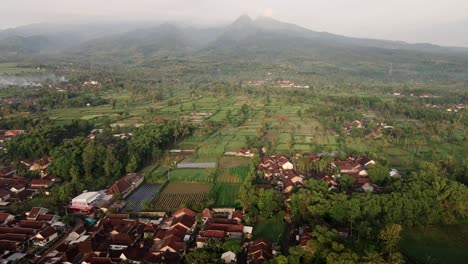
[4,217]
[31,224]
[47,232]
[119,186]
[184,211]
[213,233]
[34,213]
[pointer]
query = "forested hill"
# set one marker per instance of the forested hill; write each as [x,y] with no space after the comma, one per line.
[263,41]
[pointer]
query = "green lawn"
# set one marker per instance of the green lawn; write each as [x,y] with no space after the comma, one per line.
[444,244]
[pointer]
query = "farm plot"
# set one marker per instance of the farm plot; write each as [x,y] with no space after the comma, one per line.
[232,162]
[196,165]
[144,193]
[191,175]
[177,195]
[233,175]
[227,195]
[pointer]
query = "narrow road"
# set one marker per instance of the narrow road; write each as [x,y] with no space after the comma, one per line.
[78,224]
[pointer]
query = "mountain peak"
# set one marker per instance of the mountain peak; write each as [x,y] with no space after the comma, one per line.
[242,21]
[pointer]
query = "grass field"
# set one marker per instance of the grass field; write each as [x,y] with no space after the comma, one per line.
[177,195]
[227,195]
[442,244]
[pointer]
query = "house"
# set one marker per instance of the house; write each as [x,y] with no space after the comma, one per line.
[259,251]
[126,184]
[184,211]
[206,214]
[4,195]
[40,184]
[45,236]
[284,163]
[245,152]
[35,165]
[237,216]
[6,218]
[37,225]
[205,235]
[229,257]
[394,173]
[48,218]
[7,171]
[17,188]
[35,212]
[368,187]
[186,221]
[343,231]
[85,202]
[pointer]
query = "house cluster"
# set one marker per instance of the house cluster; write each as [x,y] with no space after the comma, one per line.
[106,200]
[91,82]
[117,238]
[280,170]
[279,83]
[35,230]
[245,152]
[15,188]
[221,224]
[356,168]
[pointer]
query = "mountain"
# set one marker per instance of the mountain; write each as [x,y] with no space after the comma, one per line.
[263,41]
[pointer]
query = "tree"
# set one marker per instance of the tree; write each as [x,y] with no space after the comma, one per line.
[378,173]
[89,158]
[112,165]
[390,238]
[373,257]
[267,203]
[346,182]
[199,256]
[231,245]
[132,164]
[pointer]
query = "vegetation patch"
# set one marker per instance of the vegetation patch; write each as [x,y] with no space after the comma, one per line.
[227,195]
[436,244]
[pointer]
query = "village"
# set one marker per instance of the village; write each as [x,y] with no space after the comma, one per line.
[95,230]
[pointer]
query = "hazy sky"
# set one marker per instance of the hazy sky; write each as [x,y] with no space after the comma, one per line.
[436,21]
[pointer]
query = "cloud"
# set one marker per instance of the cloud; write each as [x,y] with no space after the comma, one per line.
[268,12]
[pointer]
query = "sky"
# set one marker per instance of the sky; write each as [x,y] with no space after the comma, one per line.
[443,22]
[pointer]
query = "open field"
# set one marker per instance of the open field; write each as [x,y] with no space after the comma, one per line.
[442,244]
[177,195]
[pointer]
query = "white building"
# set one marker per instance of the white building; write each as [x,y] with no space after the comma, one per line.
[85,201]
